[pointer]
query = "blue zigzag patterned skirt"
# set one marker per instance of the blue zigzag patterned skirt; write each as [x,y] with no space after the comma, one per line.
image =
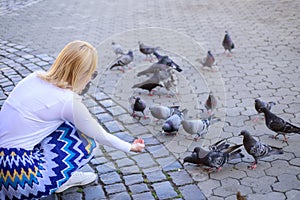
[40,172]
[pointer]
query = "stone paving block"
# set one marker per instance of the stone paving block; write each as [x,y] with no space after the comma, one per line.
[94,193]
[122,195]
[208,186]
[138,188]
[124,162]
[133,179]
[286,182]
[130,170]
[191,192]
[115,188]
[293,194]
[98,160]
[110,178]
[113,126]
[158,151]
[229,186]
[144,160]
[164,190]
[105,168]
[116,155]
[74,195]
[142,196]
[259,185]
[180,177]
[268,196]
[155,176]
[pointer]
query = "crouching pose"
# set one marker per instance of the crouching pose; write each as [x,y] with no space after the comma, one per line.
[47,133]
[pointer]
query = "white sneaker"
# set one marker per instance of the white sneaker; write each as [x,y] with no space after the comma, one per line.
[77,179]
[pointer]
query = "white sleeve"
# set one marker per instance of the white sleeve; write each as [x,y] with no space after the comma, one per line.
[77,113]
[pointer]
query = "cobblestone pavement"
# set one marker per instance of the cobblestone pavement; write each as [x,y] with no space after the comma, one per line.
[265,64]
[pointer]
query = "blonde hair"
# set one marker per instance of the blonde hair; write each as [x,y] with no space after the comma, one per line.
[73,67]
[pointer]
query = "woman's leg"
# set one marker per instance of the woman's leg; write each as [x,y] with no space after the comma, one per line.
[41,171]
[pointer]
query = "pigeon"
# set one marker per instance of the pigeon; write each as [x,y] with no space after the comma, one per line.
[163,112]
[88,85]
[278,125]
[167,61]
[239,196]
[123,61]
[214,158]
[151,83]
[138,105]
[117,48]
[258,149]
[163,64]
[147,50]
[197,126]
[227,43]
[171,83]
[209,60]
[172,124]
[259,104]
[210,103]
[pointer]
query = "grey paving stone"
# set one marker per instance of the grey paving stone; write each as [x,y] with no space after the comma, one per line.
[155,176]
[191,192]
[133,179]
[164,190]
[94,193]
[180,178]
[115,188]
[110,178]
[122,195]
[142,196]
[69,196]
[105,168]
[138,188]
[144,160]
[98,160]
[104,117]
[124,162]
[293,194]
[130,170]
[113,126]
[286,182]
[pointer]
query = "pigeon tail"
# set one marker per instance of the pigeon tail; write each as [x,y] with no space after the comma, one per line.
[236,154]
[275,150]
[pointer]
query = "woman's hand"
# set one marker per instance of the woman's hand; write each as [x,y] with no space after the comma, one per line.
[137,145]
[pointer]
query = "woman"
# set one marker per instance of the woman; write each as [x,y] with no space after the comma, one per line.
[40,147]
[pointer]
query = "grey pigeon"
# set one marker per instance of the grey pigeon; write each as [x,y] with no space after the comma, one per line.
[163,112]
[117,48]
[210,103]
[197,126]
[138,105]
[167,61]
[88,85]
[209,60]
[173,123]
[147,50]
[214,158]
[123,61]
[171,82]
[278,125]
[227,43]
[259,104]
[151,83]
[258,149]
[163,64]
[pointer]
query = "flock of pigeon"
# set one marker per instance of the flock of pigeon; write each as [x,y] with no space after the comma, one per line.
[162,74]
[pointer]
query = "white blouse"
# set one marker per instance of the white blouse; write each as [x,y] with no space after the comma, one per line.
[36,108]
